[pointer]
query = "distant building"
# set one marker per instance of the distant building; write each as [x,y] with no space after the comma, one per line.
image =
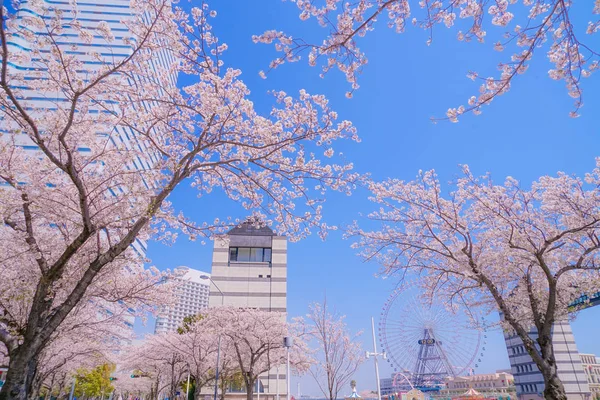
[591,367]
[386,386]
[249,270]
[192,294]
[497,385]
[529,380]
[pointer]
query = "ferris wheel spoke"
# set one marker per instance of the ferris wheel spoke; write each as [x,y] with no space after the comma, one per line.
[407,319]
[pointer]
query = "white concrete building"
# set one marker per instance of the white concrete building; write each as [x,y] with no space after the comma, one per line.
[192,293]
[249,269]
[591,367]
[529,380]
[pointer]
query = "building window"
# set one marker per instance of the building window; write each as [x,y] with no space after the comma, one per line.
[249,254]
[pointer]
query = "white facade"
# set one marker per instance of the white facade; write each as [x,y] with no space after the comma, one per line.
[249,269]
[591,367]
[192,294]
[89,15]
[529,380]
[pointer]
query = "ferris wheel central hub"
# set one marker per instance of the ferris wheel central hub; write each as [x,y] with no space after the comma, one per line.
[425,342]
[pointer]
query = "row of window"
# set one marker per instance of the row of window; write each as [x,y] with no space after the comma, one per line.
[525,368]
[250,254]
[529,388]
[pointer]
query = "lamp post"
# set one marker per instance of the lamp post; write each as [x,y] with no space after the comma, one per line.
[288,342]
[219,342]
[72,389]
[375,354]
[277,384]
[187,388]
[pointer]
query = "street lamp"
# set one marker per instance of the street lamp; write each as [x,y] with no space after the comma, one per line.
[219,342]
[288,342]
[375,354]
[206,277]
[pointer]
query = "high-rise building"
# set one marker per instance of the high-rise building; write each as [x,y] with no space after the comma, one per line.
[191,288]
[249,269]
[89,15]
[529,380]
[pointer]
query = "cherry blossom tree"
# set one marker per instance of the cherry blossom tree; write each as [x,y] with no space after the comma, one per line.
[525,252]
[198,347]
[66,354]
[533,27]
[156,359]
[339,354]
[114,138]
[256,339]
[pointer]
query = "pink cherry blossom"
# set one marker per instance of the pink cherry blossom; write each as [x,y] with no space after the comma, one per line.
[113,138]
[527,253]
[548,28]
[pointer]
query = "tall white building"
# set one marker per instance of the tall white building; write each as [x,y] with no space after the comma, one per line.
[89,15]
[249,266]
[529,381]
[191,292]
[249,269]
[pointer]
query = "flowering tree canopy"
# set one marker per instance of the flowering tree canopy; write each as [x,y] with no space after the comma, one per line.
[198,347]
[255,339]
[338,353]
[528,253]
[527,29]
[86,171]
[156,362]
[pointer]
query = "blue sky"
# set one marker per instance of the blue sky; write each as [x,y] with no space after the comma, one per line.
[525,133]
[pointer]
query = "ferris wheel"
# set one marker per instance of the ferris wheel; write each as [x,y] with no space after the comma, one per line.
[427,341]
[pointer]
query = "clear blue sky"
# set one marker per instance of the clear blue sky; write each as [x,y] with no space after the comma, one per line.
[525,134]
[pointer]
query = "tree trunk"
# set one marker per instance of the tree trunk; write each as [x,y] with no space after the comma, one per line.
[554,388]
[250,390]
[197,390]
[22,369]
[223,387]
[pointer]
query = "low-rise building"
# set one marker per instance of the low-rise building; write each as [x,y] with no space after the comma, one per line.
[591,367]
[500,384]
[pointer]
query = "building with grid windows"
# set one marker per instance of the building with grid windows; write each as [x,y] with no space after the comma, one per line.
[529,380]
[89,15]
[191,293]
[591,367]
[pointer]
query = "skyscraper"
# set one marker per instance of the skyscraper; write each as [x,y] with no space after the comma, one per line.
[77,34]
[249,269]
[192,292]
